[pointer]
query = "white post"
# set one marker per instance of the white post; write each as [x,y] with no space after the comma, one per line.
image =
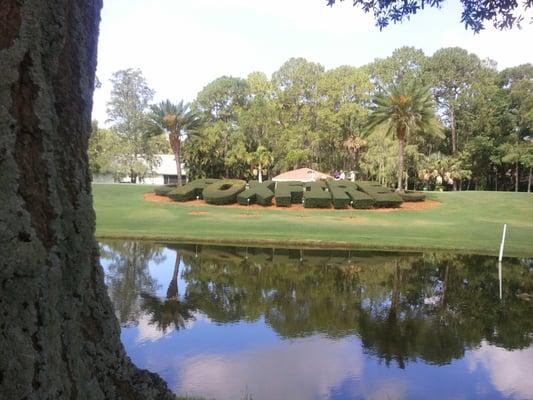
[500,278]
[503,243]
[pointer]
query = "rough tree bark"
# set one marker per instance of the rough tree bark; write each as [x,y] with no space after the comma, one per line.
[58,334]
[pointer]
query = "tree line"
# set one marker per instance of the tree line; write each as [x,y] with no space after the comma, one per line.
[474,130]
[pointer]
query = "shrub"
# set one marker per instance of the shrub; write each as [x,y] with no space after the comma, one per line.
[384,197]
[164,190]
[297,192]
[413,196]
[345,193]
[316,195]
[361,200]
[283,194]
[224,191]
[259,193]
[269,184]
[191,190]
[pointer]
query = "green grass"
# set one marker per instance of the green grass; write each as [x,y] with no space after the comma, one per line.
[464,221]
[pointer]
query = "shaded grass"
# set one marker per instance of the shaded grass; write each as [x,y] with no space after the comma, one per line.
[465,221]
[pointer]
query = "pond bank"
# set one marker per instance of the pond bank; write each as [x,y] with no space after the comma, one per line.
[463,222]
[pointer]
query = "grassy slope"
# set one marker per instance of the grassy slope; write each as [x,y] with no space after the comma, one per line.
[465,221]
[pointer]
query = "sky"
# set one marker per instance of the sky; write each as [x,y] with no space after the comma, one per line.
[182,45]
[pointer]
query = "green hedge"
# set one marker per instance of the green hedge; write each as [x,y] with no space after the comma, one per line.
[283,194]
[164,190]
[297,192]
[345,193]
[191,190]
[224,191]
[259,193]
[413,196]
[383,196]
[269,184]
[316,195]
[361,200]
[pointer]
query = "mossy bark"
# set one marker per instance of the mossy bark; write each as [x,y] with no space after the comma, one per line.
[58,334]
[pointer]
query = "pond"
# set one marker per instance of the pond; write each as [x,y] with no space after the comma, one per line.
[255,323]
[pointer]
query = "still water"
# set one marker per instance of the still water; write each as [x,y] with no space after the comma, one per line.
[248,323]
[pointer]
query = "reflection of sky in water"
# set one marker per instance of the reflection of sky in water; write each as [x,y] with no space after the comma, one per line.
[228,361]
[236,360]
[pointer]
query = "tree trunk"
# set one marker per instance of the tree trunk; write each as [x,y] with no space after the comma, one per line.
[172,291]
[178,162]
[400,162]
[517,177]
[454,140]
[175,145]
[59,335]
[260,173]
[529,181]
[453,130]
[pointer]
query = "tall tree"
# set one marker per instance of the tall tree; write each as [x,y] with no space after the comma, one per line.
[296,88]
[405,64]
[59,336]
[219,104]
[403,109]
[176,120]
[127,109]
[261,159]
[452,72]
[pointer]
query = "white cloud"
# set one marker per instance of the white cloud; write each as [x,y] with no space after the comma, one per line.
[507,48]
[148,332]
[510,371]
[301,369]
[390,389]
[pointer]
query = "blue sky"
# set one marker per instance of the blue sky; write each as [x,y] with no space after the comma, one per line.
[182,45]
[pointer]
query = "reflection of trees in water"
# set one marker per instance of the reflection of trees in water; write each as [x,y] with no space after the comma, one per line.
[403,306]
[128,275]
[170,312]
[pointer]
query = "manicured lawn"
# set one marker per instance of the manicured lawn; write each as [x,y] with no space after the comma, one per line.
[464,221]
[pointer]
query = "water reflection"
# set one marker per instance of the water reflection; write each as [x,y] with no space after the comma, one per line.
[276,323]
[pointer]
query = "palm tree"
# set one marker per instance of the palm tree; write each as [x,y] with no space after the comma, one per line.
[403,109]
[174,119]
[262,159]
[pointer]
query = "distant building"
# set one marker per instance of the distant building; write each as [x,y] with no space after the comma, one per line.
[302,175]
[162,174]
[165,173]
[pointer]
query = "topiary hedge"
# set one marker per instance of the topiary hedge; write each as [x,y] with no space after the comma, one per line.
[345,193]
[259,193]
[269,184]
[413,196]
[224,191]
[342,194]
[384,197]
[316,195]
[361,200]
[164,190]
[295,190]
[191,190]
[283,194]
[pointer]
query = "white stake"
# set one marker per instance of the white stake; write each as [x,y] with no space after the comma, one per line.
[500,278]
[503,243]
